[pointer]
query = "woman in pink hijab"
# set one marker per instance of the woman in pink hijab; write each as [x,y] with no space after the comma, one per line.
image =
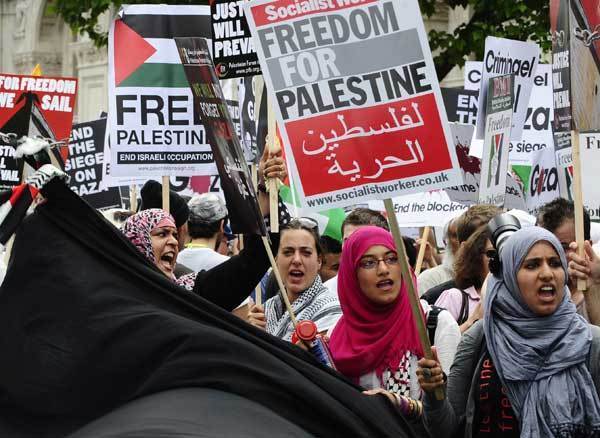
[375,342]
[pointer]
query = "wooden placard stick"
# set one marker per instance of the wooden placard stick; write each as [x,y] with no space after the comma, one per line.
[254,175]
[165,194]
[258,295]
[422,248]
[578,201]
[272,186]
[133,197]
[415,306]
[282,289]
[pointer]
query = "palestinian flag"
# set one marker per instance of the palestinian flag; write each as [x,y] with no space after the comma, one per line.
[154,127]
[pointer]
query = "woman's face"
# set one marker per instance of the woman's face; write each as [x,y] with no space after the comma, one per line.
[165,248]
[379,275]
[485,259]
[541,279]
[297,260]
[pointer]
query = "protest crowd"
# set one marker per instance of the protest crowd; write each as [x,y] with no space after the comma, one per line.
[293,240]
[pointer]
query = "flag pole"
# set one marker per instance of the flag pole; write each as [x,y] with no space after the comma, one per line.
[165,194]
[422,248]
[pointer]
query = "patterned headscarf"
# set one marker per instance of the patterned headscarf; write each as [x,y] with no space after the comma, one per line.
[137,229]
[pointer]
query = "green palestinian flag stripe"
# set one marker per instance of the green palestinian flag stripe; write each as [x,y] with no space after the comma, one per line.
[335,216]
[157,75]
[523,171]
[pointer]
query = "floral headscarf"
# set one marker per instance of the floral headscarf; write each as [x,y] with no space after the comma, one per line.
[137,229]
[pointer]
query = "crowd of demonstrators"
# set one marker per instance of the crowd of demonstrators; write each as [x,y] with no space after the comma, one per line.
[531,367]
[299,259]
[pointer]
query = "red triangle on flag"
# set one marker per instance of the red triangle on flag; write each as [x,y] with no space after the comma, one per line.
[131,51]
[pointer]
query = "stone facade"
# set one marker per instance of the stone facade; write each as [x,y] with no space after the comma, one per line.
[30,34]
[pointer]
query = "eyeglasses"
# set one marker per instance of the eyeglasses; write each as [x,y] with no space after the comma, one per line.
[372,263]
[306,222]
[490,253]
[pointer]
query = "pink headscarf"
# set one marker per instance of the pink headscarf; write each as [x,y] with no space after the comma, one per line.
[369,337]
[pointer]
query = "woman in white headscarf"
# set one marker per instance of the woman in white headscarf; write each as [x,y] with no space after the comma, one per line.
[531,368]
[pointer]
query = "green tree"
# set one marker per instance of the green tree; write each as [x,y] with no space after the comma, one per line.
[514,19]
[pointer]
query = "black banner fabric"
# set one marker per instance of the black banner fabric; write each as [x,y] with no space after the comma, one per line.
[236,181]
[89,325]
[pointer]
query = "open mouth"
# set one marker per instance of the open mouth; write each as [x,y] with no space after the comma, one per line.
[547,293]
[167,260]
[385,284]
[296,274]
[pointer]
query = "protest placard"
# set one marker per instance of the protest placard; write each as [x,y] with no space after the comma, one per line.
[494,163]
[473,75]
[468,192]
[244,212]
[539,177]
[154,129]
[537,130]
[33,106]
[590,169]
[461,105]
[433,208]
[503,56]
[561,77]
[233,47]
[84,165]
[354,128]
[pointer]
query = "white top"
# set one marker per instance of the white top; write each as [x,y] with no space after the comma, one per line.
[200,259]
[331,284]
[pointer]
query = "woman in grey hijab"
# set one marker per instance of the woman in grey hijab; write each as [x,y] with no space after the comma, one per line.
[531,368]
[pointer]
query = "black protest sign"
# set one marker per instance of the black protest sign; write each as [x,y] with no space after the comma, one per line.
[242,204]
[84,165]
[233,47]
[461,105]
[561,76]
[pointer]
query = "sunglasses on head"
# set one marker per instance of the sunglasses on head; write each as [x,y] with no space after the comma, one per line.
[305,222]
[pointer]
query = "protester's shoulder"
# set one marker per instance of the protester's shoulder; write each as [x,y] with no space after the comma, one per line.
[327,296]
[595,330]
[473,337]
[331,284]
[449,294]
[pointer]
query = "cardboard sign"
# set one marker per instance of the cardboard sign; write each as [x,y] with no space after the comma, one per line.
[33,106]
[461,105]
[501,57]
[494,163]
[564,166]
[248,119]
[423,209]
[354,127]
[154,128]
[233,47]
[468,192]
[236,181]
[537,131]
[473,75]
[84,165]
[539,178]
[589,144]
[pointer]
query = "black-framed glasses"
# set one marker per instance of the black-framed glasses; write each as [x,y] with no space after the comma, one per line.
[372,262]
